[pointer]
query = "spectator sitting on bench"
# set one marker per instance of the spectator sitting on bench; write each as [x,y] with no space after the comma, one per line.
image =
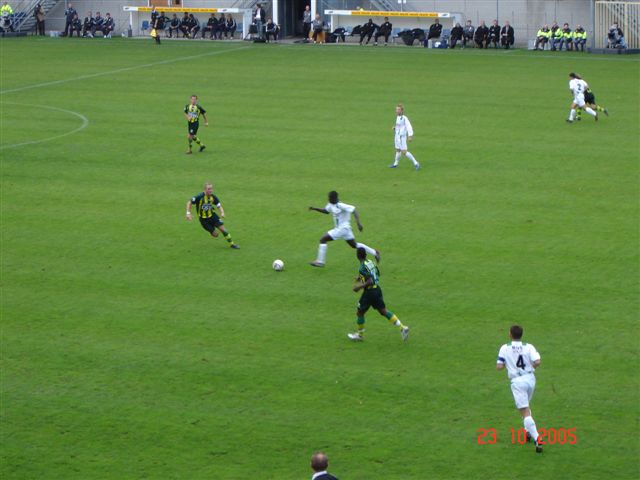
[567,38]
[230,27]
[194,26]
[76,25]
[456,35]
[212,23]
[98,23]
[482,35]
[556,36]
[542,38]
[109,25]
[507,36]
[367,31]
[318,29]
[273,29]
[222,27]
[435,31]
[184,24]
[468,32]
[87,26]
[384,30]
[494,34]
[615,37]
[579,38]
[174,25]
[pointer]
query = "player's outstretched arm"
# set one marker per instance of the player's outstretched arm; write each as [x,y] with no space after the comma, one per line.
[357,217]
[219,206]
[189,210]
[321,210]
[206,120]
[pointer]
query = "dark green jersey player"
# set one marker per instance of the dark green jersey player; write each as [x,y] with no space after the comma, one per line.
[192,112]
[590,99]
[206,204]
[369,282]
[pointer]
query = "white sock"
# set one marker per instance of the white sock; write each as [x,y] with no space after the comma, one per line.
[369,250]
[572,114]
[322,253]
[590,111]
[397,160]
[410,157]
[530,426]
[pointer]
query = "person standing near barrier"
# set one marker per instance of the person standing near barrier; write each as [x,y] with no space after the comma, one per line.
[68,14]
[38,14]
[467,33]
[307,20]
[259,16]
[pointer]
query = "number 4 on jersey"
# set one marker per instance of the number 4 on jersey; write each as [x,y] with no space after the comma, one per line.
[520,362]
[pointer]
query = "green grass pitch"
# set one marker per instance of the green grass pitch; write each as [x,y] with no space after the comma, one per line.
[136,346]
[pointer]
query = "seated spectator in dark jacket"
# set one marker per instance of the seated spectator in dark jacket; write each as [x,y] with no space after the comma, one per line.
[494,34]
[87,25]
[98,23]
[230,26]
[367,31]
[435,31]
[468,32]
[318,28]
[615,37]
[507,36]
[384,30]
[185,24]
[194,26]
[174,25]
[109,25]
[76,25]
[212,23]
[482,36]
[222,27]
[272,30]
[456,35]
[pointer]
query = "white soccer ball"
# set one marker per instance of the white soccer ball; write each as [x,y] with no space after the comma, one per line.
[278,265]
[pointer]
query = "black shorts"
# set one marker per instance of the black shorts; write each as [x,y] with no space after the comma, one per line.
[371,297]
[589,97]
[193,127]
[210,224]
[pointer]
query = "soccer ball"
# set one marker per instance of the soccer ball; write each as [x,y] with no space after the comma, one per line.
[278,265]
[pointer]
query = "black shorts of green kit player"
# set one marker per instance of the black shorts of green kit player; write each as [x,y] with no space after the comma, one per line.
[193,127]
[371,297]
[210,224]
[590,98]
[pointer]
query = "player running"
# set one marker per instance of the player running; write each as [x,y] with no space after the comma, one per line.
[192,112]
[369,282]
[404,134]
[578,87]
[342,219]
[521,359]
[206,203]
[590,100]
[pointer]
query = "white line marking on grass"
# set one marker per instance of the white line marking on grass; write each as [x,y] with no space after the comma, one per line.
[119,70]
[85,124]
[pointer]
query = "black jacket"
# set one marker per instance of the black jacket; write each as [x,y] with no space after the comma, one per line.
[494,32]
[385,28]
[435,30]
[507,34]
[456,33]
[326,476]
[481,34]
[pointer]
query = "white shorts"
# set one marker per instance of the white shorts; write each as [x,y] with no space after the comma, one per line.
[341,233]
[522,389]
[401,142]
[579,100]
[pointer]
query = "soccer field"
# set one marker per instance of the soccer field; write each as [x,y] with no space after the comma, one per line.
[134,345]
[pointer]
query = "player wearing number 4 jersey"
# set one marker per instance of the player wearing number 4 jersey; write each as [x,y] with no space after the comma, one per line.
[521,359]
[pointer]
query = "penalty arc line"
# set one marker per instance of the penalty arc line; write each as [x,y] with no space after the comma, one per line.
[85,124]
[119,70]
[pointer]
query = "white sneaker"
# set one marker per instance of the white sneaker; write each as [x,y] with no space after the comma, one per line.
[355,337]
[405,333]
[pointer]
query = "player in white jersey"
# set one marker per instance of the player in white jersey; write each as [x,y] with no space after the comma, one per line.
[578,88]
[404,134]
[521,359]
[342,231]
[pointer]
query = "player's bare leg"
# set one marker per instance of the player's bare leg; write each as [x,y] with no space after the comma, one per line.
[371,251]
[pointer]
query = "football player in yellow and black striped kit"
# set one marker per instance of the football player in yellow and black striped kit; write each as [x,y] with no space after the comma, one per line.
[206,203]
[192,112]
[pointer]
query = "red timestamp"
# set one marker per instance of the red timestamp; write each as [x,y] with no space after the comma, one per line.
[546,436]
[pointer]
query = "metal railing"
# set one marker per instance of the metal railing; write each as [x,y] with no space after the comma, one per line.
[625,14]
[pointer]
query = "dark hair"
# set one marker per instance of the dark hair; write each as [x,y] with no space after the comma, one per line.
[361,253]
[333,195]
[516,332]
[319,462]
